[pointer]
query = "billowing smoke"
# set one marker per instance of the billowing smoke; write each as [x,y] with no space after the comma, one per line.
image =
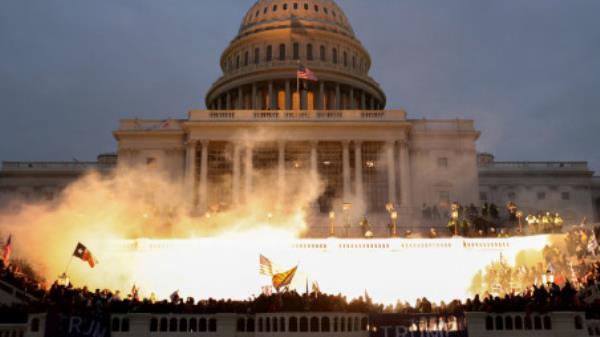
[102,211]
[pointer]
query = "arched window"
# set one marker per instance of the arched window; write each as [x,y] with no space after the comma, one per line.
[363,324]
[202,325]
[325,326]
[309,52]
[547,323]
[293,326]
[275,324]
[489,323]
[295,5]
[256,55]
[305,7]
[322,53]
[578,323]
[282,52]
[193,325]
[508,322]
[285,7]
[303,324]
[537,323]
[115,324]
[268,324]
[334,56]
[35,325]
[241,325]
[296,51]
[343,324]
[125,324]
[246,57]
[173,324]
[349,324]
[314,324]
[153,325]
[250,325]
[528,325]
[518,323]
[260,325]
[499,323]
[316,8]
[274,8]
[182,325]
[269,53]
[282,324]
[355,323]
[335,324]
[163,324]
[212,325]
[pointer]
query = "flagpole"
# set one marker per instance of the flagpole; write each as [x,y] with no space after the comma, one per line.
[68,264]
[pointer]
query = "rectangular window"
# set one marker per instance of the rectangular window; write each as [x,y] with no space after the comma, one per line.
[442,162]
[256,56]
[541,196]
[483,196]
[322,53]
[309,52]
[444,197]
[565,196]
[282,52]
[296,51]
[269,53]
[150,162]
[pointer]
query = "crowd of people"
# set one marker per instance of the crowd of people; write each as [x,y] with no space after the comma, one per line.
[545,294]
[486,221]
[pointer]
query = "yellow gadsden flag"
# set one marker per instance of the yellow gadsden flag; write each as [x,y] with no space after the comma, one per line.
[284,279]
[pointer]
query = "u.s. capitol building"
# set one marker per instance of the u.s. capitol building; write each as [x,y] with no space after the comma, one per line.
[262,122]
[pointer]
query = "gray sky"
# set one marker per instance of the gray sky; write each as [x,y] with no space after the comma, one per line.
[528,72]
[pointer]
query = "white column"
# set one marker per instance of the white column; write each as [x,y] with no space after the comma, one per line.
[391,170]
[288,96]
[281,168]
[271,101]
[254,100]
[322,96]
[248,173]
[359,169]
[235,189]
[314,172]
[190,169]
[203,186]
[405,176]
[338,97]
[240,99]
[346,170]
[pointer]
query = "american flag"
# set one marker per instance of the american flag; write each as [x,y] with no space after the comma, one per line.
[306,74]
[266,268]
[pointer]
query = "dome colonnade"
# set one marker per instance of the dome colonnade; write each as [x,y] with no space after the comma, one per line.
[259,66]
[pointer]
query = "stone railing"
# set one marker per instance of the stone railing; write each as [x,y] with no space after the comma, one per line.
[59,166]
[150,125]
[443,125]
[297,115]
[537,166]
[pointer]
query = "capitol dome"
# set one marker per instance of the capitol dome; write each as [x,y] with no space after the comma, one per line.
[275,37]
